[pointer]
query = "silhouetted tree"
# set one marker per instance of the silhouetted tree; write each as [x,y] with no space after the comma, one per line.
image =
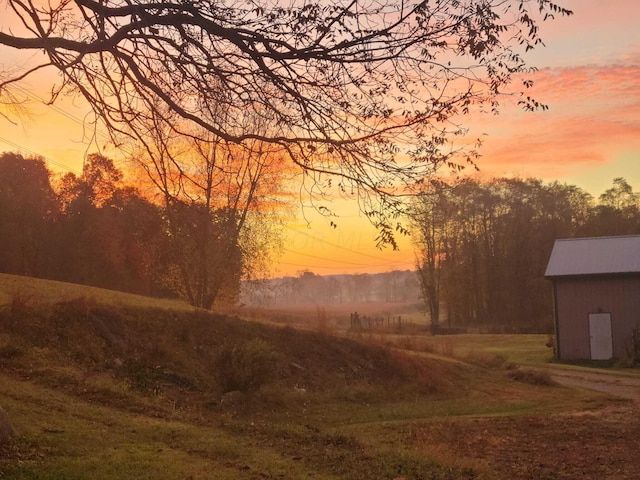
[85,237]
[433,214]
[617,212]
[27,211]
[483,248]
[194,233]
[136,235]
[223,192]
[370,93]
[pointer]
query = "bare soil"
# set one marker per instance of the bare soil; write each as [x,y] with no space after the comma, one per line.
[602,443]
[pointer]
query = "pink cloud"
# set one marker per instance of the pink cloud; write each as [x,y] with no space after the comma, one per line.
[594,115]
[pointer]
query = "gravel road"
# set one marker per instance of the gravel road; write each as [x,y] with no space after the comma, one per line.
[612,383]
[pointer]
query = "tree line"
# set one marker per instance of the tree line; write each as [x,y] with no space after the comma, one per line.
[398,286]
[95,229]
[483,247]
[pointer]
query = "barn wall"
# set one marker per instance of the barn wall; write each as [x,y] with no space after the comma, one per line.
[577,298]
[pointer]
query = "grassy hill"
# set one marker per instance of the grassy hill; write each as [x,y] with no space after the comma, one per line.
[16,290]
[104,385]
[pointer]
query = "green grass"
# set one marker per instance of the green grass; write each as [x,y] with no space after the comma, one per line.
[64,437]
[529,350]
[107,386]
[322,436]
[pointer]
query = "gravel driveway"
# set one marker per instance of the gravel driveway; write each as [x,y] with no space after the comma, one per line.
[612,383]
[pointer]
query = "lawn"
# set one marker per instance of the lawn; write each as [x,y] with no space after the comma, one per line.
[527,350]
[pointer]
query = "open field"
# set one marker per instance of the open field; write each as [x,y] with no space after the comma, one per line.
[104,392]
[64,436]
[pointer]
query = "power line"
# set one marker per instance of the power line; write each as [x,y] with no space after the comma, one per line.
[387,262]
[49,104]
[64,113]
[335,245]
[36,154]
[321,267]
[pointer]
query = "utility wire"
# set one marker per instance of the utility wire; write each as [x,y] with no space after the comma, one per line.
[387,262]
[320,267]
[36,154]
[49,104]
[62,112]
[335,245]
[82,123]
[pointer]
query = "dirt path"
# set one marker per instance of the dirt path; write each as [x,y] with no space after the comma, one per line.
[602,443]
[622,386]
[598,445]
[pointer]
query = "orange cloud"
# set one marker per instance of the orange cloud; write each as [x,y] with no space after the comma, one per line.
[593,116]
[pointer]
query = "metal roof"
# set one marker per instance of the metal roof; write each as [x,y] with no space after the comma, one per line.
[594,256]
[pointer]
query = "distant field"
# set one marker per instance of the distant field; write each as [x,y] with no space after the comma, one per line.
[35,291]
[336,316]
[412,333]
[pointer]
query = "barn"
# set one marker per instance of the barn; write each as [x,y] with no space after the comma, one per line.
[596,295]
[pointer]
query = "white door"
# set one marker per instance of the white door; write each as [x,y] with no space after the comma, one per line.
[600,336]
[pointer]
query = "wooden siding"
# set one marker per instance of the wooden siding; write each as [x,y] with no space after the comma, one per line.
[576,298]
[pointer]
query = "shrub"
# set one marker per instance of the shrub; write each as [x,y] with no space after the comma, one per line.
[150,379]
[19,301]
[245,366]
[533,377]
[486,360]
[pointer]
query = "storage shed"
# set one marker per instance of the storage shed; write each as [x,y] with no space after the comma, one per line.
[596,294]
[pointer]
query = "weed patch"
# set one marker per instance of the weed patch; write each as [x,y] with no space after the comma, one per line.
[486,360]
[19,301]
[6,429]
[152,379]
[530,376]
[344,456]
[246,366]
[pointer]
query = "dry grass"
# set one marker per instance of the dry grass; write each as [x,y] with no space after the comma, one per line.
[531,376]
[20,292]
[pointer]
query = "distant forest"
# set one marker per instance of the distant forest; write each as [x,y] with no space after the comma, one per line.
[482,250]
[483,245]
[308,288]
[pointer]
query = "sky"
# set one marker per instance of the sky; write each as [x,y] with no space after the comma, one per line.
[589,76]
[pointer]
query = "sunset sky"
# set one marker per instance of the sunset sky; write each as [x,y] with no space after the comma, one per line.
[589,75]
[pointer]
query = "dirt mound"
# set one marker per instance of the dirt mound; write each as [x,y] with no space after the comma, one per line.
[154,350]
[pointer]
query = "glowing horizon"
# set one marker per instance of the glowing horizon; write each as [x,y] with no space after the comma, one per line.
[589,75]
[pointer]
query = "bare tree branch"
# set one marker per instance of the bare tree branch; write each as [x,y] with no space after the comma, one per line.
[373,93]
